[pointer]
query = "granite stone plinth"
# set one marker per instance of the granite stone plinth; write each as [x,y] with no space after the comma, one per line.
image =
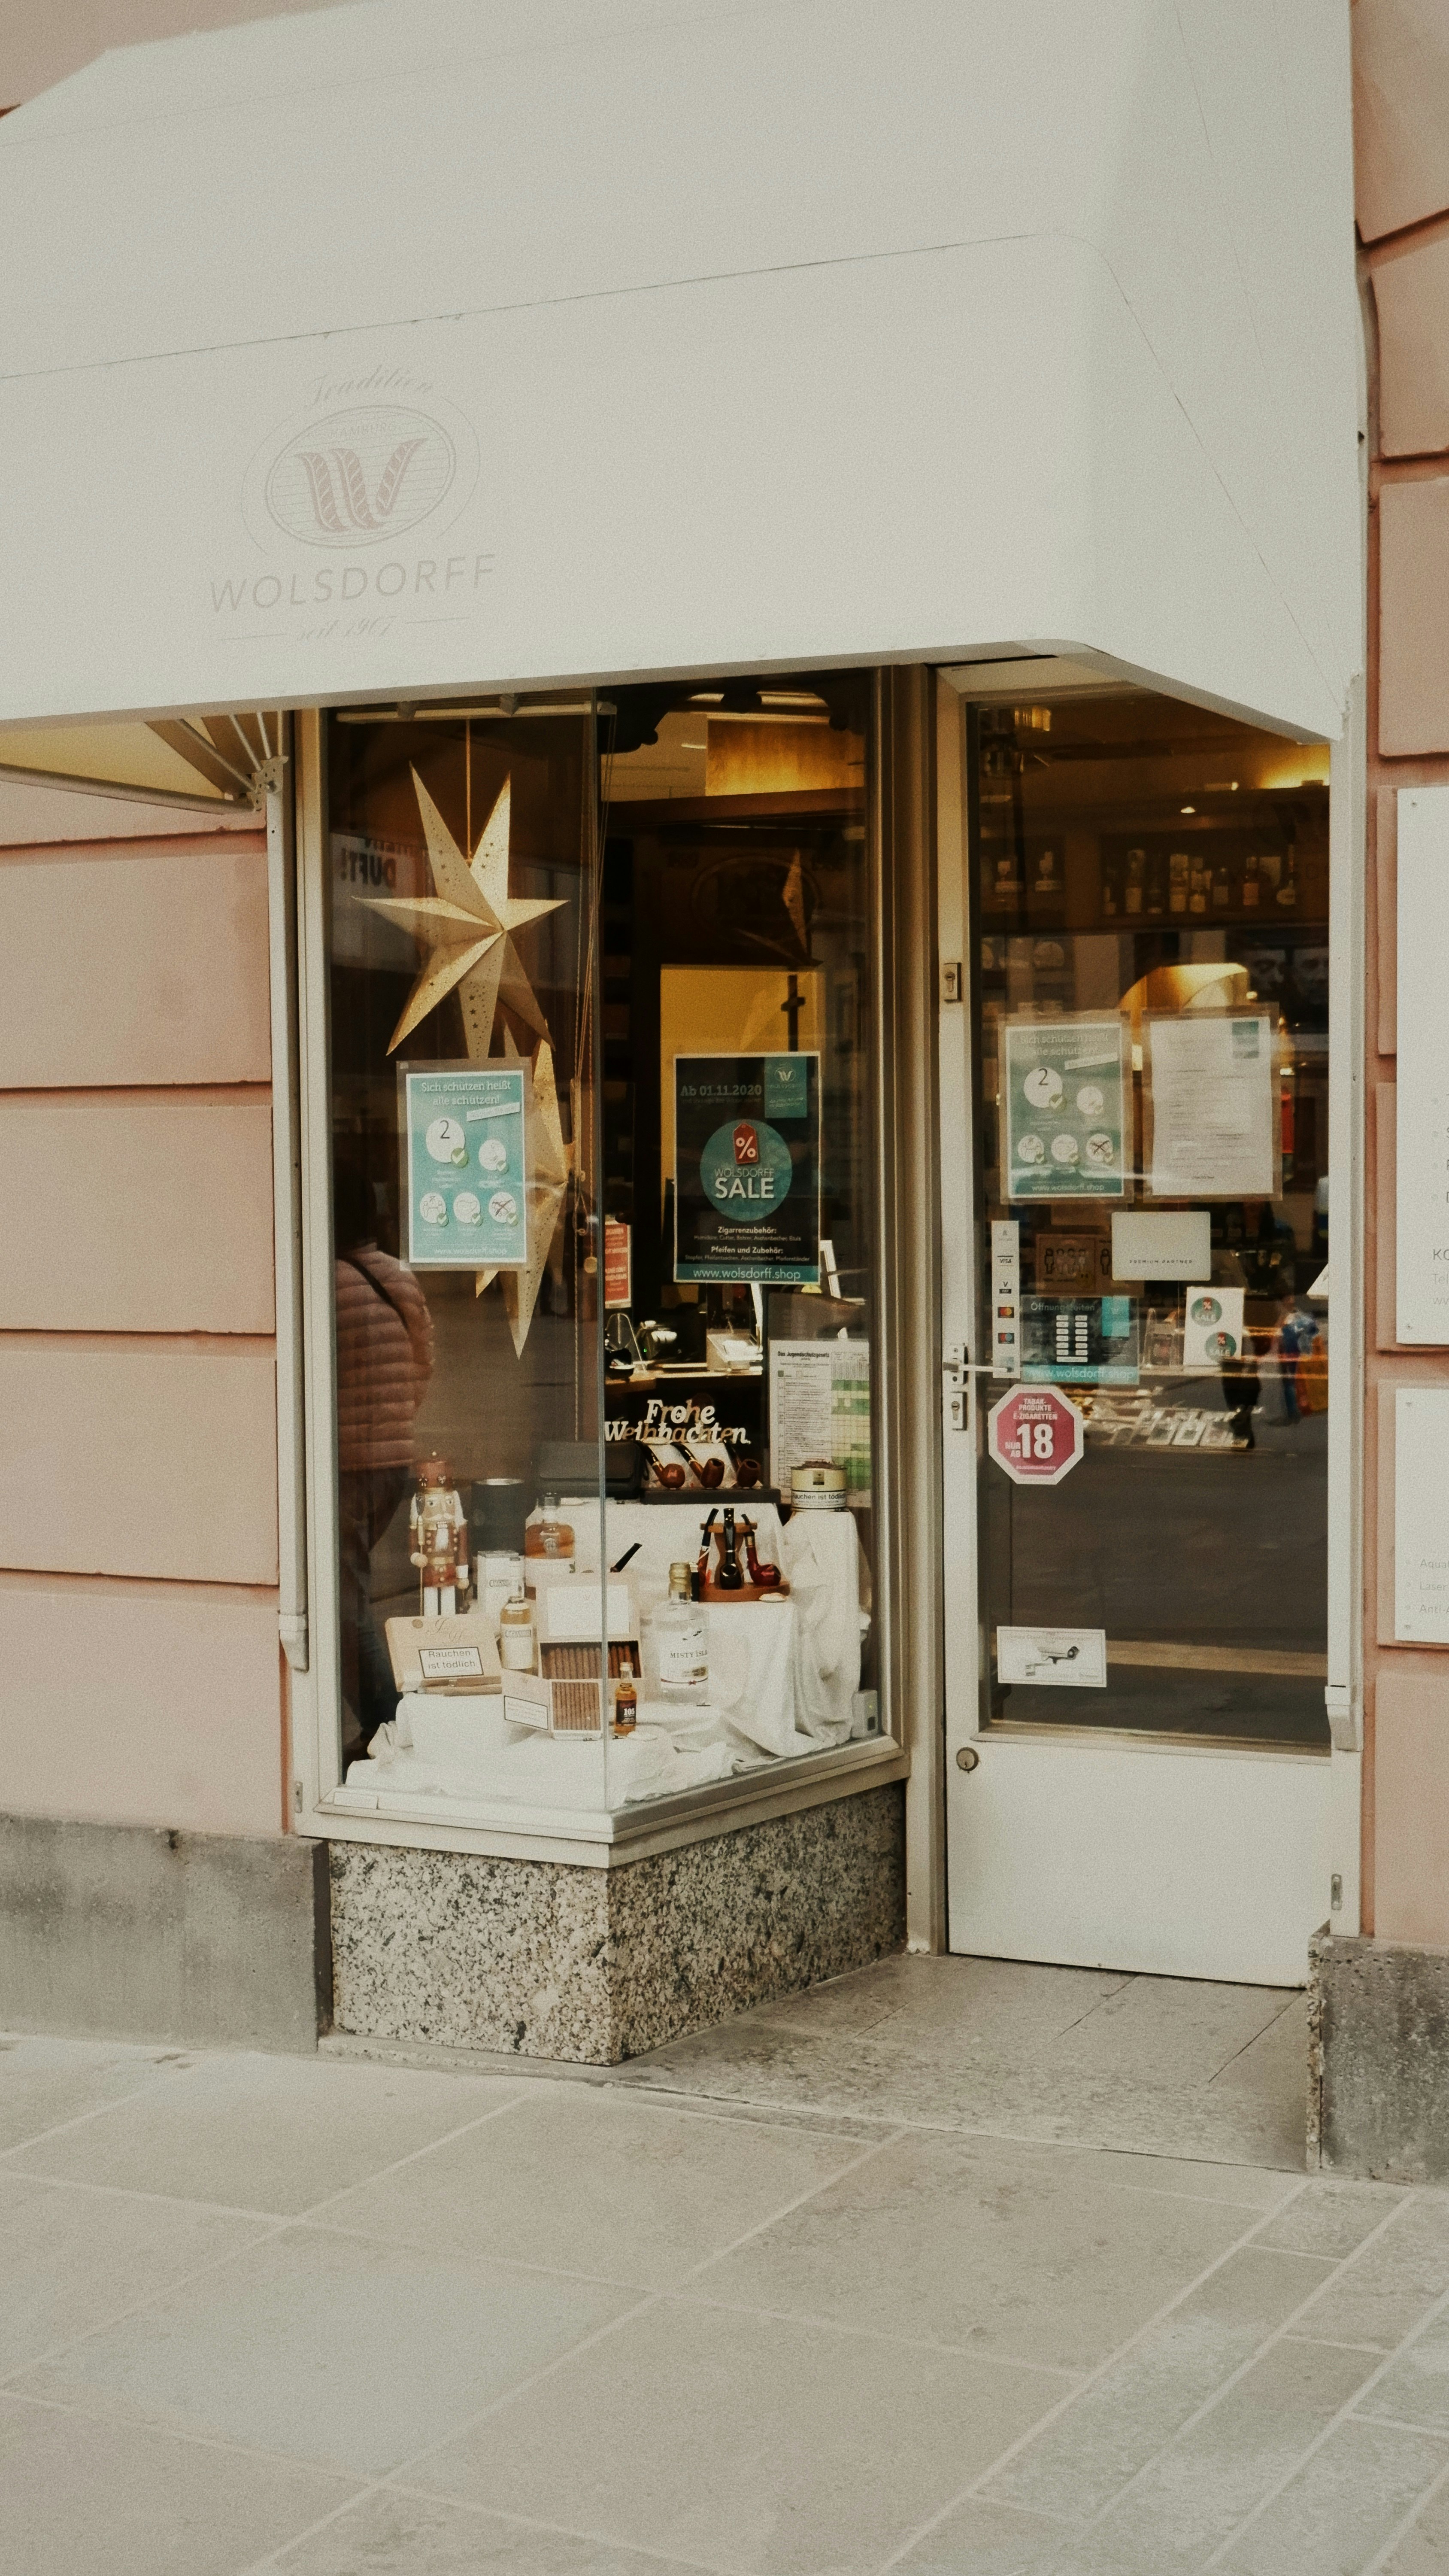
[596,1965]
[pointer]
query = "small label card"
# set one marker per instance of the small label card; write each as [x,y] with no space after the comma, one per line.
[526,1701]
[450,1663]
[1152,1246]
[1053,1658]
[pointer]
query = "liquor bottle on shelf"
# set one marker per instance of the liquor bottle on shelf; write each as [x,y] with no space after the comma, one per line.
[1222,888]
[1046,886]
[1288,882]
[1179,869]
[1156,886]
[1252,886]
[1197,900]
[1004,890]
[1111,889]
[1136,875]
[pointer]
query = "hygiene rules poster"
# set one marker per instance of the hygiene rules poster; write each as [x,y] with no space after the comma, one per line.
[467,1177]
[1065,1097]
[747,1169]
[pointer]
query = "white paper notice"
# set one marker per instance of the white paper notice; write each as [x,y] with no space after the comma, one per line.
[800,1405]
[1214,1132]
[1422,1108]
[820,1408]
[1421,1516]
[1053,1658]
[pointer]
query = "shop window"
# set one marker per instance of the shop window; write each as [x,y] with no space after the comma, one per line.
[602,1041]
[1151,997]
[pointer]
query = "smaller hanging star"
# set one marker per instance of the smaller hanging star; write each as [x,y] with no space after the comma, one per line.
[468,925]
[548,1162]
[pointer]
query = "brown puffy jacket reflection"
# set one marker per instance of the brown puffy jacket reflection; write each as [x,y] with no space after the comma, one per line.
[384,1358]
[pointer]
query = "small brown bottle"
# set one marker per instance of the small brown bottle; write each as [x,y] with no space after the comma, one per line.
[626,1700]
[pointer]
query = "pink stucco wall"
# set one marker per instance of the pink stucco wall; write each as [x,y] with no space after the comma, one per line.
[141,1679]
[1401,112]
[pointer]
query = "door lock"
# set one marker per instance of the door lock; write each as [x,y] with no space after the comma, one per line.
[956,1372]
[967,1757]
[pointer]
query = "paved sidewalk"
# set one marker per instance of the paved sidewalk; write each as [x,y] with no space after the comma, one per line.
[949,2266]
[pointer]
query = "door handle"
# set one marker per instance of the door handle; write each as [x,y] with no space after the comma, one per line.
[967,1757]
[956,1370]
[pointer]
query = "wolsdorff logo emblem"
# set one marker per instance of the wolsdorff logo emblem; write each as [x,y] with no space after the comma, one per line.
[359,477]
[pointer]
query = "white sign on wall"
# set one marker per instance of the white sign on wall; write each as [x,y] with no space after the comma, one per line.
[1422,1248]
[1421,1515]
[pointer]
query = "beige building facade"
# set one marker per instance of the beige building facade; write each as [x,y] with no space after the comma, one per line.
[178,1856]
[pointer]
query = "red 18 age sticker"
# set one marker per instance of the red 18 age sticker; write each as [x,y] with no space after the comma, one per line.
[1036,1434]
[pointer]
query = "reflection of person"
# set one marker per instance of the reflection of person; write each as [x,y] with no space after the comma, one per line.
[384,1362]
[1241,1388]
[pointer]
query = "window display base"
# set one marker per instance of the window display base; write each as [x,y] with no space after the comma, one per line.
[592,1966]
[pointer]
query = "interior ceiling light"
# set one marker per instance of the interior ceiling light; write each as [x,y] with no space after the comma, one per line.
[1188,809]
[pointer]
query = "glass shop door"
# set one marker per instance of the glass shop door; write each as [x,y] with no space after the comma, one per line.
[1134,1066]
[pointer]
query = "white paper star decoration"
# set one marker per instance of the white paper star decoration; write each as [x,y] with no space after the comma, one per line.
[468,925]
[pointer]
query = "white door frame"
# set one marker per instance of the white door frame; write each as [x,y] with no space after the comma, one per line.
[1143,1854]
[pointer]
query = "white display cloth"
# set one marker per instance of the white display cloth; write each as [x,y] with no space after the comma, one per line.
[825,1566]
[462,1748]
[782,1676]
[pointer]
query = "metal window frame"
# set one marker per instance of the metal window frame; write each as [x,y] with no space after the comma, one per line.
[899,840]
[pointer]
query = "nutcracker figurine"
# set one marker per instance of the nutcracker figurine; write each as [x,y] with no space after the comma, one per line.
[439,1528]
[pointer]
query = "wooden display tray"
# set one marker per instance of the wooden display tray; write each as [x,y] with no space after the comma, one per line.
[746,1592]
[738,1496]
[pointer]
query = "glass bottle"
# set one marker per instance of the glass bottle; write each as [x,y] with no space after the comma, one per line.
[1197,900]
[516,1641]
[1156,886]
[1250,883]
[1136,872]
[1177,876]
[1288,888]
[547,1535]
[626,1700]
[1222,888]
[681,1650]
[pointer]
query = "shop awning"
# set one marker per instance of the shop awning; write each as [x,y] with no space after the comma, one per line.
[424,344]
[201,762]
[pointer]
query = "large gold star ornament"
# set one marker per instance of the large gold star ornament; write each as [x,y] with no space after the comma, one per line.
[548,1162]
[468,926]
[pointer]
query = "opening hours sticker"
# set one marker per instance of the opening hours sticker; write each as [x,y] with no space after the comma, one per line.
[1036,1435]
